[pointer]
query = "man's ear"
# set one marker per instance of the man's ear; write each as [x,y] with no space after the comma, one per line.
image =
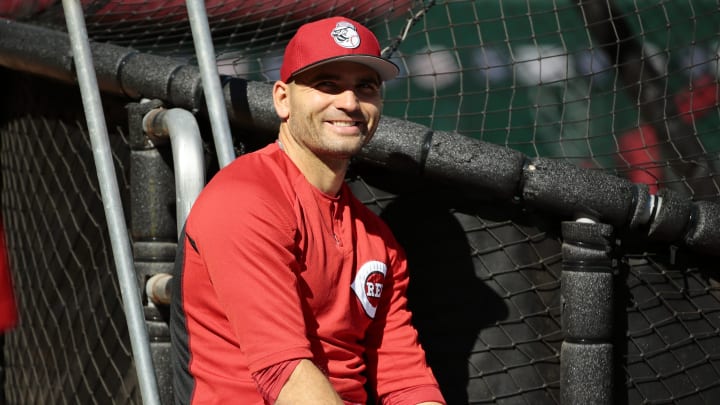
[281,100]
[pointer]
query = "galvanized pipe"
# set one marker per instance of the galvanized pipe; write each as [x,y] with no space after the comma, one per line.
[181,128]
[158,289]
[214,97]
[111,200]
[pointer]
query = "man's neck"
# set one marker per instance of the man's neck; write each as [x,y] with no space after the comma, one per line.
[327,175]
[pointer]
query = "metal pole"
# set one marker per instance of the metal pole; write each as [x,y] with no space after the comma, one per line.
[214,96]
[182,130]
[111,200]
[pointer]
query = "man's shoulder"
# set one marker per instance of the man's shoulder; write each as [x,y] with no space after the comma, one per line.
[255,185]
[264,169]
[255,176]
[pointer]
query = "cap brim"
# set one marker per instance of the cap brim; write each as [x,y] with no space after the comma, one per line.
[386,69]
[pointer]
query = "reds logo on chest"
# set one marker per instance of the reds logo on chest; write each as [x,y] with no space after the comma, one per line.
[368,285]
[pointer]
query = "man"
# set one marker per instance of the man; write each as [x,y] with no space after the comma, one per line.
[289,290]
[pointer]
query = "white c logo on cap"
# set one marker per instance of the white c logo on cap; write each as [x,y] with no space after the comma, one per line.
[345,35]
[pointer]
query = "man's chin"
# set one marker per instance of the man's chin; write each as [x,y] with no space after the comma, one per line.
[349,147]
[343,153]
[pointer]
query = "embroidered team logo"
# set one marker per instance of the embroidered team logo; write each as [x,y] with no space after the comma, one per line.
[368,285]
[346,35]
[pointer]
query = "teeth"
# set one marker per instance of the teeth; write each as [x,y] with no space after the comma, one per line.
[344,123]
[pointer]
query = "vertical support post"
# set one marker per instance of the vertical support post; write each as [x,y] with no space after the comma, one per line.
[166,170]
[112,203]
[153,227]
[586,354]
[214,96]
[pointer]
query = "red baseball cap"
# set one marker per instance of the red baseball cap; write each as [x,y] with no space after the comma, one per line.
[331,40]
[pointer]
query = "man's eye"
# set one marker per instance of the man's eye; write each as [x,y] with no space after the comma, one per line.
[326,86]
[369,88]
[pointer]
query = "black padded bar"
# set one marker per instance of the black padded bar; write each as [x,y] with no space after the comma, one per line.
[587,298]
[482,165]
[587,282]
[397,146]
[586,374]
[119,70]
[250,107]
[587,306]
[400,146]
[703,234]
[567,190]
[413,148]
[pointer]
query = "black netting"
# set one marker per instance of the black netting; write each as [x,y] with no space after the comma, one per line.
[629,88]
[72,343]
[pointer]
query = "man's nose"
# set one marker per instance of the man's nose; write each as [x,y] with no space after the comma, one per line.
[347,100]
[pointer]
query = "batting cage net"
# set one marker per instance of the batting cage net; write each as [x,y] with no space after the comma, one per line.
[624,89]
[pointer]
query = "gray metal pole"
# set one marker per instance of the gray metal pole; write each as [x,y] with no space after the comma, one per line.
[111,200]
[214,96]
[182,130]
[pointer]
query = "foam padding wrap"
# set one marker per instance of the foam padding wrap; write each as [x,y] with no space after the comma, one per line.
[586,374]
[475,163]
[704,225]
[570,191]
[250,105]
[407,147]
[397,145]
[587,312]
[593,238]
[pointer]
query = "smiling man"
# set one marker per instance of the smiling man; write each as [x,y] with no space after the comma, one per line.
[288,290]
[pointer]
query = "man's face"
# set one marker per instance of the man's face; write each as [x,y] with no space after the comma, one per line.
[334,109]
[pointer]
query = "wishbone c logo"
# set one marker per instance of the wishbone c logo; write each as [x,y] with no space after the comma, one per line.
[368,285]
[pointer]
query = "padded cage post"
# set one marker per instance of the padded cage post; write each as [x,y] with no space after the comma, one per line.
[586,354]
[153,229]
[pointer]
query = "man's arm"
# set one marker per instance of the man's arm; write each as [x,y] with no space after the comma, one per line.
[397,368]
[308,385]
